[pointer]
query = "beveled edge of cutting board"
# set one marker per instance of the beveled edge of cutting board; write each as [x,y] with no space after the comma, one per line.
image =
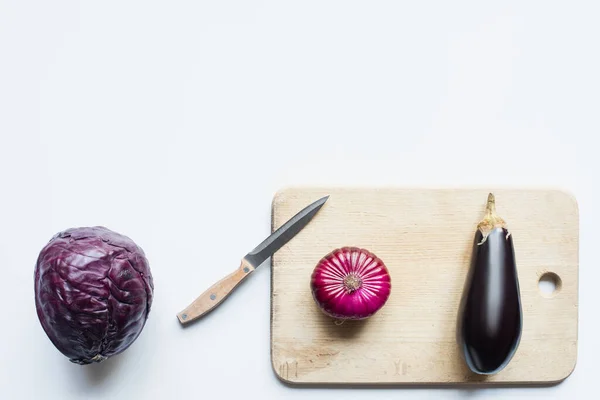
[426,384]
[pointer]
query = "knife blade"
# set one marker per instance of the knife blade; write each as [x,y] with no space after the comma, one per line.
[218,292]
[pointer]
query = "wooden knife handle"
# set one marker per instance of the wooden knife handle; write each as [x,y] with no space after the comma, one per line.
[214,295]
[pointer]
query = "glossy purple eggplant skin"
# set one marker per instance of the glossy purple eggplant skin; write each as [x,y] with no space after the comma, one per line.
[491,316]
[93,293]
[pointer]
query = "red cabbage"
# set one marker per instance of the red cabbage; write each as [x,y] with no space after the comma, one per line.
[93,293]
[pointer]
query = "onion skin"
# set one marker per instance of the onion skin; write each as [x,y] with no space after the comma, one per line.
[491,317]
[350,283]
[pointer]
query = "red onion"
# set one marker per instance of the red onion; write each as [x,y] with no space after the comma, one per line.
[350,283]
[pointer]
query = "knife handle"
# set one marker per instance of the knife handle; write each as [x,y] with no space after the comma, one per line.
[215,294]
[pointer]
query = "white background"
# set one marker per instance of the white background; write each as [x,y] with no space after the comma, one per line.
[175,122]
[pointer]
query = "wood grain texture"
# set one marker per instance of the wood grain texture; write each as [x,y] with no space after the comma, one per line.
[424,236]
[215,295]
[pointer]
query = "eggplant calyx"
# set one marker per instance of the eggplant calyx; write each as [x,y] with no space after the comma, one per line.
[491,220]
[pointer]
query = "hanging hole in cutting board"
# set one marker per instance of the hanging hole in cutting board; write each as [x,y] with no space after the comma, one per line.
[549,284]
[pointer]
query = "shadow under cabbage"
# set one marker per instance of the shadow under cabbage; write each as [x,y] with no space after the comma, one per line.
[98,373]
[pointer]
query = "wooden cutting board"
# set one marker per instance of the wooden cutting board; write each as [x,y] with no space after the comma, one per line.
[424,236]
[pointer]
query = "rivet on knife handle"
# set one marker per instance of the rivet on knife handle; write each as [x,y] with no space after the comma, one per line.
[220,290]
[214,295]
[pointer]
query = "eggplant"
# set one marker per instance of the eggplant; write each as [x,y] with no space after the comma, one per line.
[491,316]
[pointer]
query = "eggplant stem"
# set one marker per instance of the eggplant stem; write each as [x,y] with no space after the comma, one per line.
[490,207]
[491,219]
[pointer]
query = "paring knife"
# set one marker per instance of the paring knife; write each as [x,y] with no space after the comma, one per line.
[218,292]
